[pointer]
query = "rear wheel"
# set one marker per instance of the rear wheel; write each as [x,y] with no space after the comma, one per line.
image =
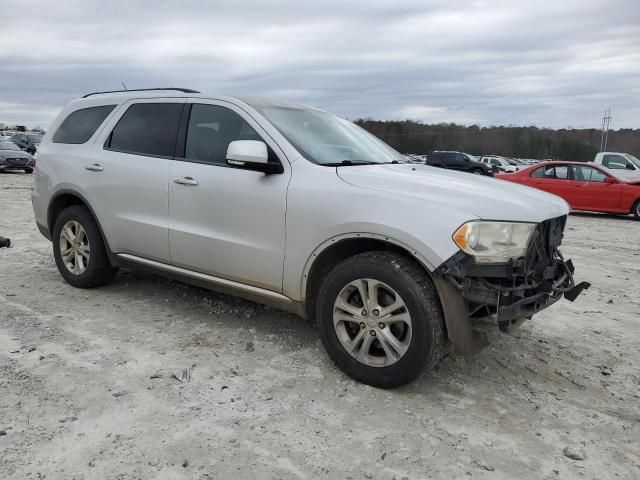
[380,319]
[79,250]
[477,171]
[636,209]
[28,170]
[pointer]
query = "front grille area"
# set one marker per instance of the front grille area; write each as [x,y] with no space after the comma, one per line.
[540,260]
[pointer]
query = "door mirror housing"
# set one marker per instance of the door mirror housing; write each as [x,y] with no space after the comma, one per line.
[610,180]
[251,155]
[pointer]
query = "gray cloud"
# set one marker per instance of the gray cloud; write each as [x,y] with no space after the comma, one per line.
[548,63]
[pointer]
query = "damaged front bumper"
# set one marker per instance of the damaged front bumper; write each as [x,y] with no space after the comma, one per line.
[516,290]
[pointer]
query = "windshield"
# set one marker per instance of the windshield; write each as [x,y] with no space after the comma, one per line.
[9,146]
[35,138]
[633,159]
[326,139]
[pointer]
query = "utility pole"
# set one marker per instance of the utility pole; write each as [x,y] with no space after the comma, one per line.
[606,121]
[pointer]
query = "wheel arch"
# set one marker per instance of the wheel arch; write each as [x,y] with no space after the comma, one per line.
[336,249]
[66,198]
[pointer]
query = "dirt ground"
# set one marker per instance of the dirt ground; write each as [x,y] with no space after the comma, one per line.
[148,378]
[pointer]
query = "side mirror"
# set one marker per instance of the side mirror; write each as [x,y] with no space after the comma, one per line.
[251,155]
[610,180]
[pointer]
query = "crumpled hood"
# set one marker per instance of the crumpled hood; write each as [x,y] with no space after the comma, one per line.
[485,197]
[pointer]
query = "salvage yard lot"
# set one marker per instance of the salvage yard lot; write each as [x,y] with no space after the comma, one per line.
[148,378]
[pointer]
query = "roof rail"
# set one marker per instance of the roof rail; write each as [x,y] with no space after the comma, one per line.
[183,90]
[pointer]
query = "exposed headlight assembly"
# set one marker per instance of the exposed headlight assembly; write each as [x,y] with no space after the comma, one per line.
[494,242]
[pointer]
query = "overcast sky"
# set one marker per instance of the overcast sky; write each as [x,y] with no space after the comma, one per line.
[551,63]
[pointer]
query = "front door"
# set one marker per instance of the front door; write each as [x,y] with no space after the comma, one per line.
[225,221]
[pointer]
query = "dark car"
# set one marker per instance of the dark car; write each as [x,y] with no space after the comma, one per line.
[458,161]
[13,158]
[27,141]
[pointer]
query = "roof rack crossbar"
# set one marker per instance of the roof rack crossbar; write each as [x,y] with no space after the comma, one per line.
[183,90]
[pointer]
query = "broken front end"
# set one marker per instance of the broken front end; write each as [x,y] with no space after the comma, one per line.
[508,270]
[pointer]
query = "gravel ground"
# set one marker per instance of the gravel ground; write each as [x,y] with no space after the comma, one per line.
[148,378]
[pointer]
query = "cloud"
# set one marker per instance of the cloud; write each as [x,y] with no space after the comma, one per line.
[547,63]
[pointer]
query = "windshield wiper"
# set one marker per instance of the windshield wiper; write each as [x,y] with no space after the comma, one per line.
[348,163]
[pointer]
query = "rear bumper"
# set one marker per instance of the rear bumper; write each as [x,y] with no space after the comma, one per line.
[521,288]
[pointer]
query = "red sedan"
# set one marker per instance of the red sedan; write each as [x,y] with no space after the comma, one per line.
[585,186]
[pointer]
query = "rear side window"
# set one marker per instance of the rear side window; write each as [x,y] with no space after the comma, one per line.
[147,129]
[560,172]
[80,125]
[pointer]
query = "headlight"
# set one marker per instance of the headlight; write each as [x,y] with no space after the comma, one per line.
[494,242]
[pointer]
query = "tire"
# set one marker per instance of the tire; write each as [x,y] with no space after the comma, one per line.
[636,209]
[93,268]
[422,339]
[477,171]
[28,170]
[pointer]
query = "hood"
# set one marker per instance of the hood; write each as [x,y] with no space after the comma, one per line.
[485,197]
[14,154]
[628,175]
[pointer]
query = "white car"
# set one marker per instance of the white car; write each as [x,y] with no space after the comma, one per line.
[500,162]
[295,207]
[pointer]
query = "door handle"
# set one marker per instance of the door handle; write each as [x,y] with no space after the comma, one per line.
[95,167]
[190,181]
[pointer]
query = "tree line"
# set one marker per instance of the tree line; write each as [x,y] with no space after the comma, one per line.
[518,142]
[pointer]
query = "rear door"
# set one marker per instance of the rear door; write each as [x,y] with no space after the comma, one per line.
[592,190]
[126,181]
[224,221]
[554,179]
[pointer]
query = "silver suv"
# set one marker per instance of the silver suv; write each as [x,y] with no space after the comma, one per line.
[294,207]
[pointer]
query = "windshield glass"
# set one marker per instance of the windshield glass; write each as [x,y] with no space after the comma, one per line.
[633,159]
[9,146]
[35,138]
[326,139]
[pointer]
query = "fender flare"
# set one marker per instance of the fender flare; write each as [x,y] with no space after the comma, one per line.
[67,191]
[428,266]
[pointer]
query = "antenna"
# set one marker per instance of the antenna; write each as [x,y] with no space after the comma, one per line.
[125,87]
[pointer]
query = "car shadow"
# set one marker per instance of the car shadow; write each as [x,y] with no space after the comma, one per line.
[603,215]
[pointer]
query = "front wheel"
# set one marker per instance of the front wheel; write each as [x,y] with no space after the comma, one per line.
[477,172]
[636,209]
[79,250]
[380,319]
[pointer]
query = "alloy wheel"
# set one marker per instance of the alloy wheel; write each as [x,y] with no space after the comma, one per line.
[74,247]
[372,322]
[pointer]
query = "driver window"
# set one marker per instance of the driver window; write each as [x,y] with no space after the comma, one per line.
[588,174]
[616,162]
[211,129]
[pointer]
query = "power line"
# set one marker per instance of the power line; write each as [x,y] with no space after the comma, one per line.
[606,121]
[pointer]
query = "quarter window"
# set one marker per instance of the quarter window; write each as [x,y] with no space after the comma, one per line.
[147,129]
[211,129]
[80,125]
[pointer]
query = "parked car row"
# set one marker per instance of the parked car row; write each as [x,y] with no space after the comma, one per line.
[27,141]
[459,161]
